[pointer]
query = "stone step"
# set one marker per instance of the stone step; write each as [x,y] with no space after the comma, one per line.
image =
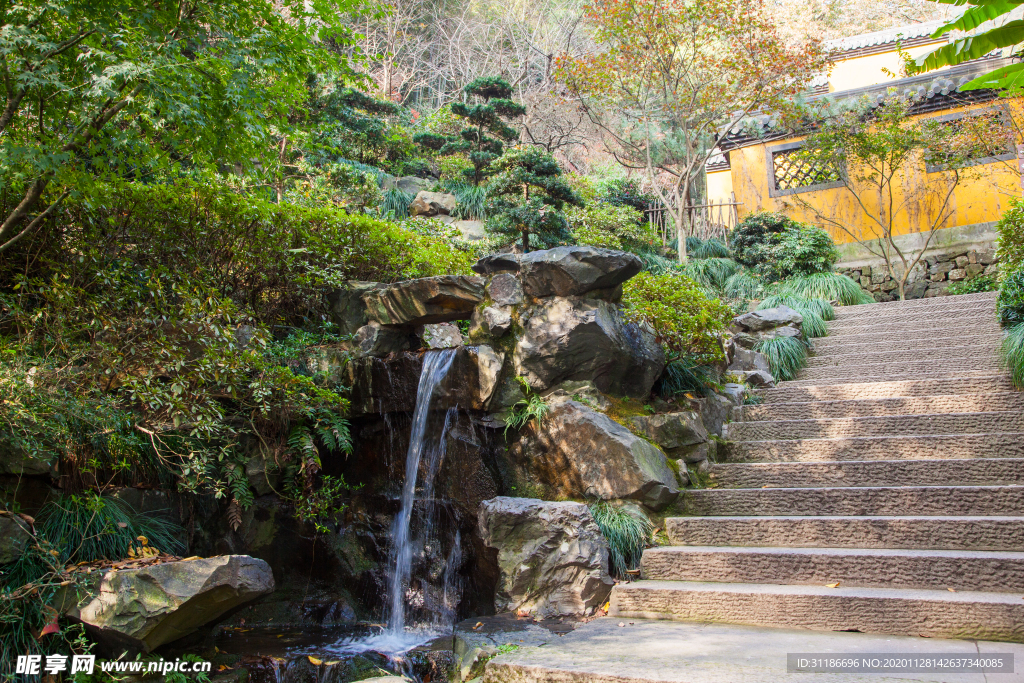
[890,425]
[961,356]
[878,407]
[991,383]
[878,500]
[915,304]
[617,650]
[947,367]
[967,472]
[949,310]
[974,320]
[891,334]
[944,446]
[897,374]
[931,613]
[925,533]
[827,345]
[995,571]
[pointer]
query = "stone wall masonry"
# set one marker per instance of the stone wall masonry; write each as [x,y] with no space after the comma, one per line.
[929,278]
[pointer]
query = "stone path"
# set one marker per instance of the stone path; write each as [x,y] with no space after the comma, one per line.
[880,491]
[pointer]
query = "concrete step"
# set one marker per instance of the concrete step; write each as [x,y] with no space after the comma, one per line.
[945,446]
[949,310]
[968,472]
[917,331]
[975,322]
[962,356]
[916,304]
[925,533]
[824,346]
[890,425]
[617,650]
[897,374]
[998,572]
[987,384]
[935,613]
[878,407]
[905,369]
[879,500]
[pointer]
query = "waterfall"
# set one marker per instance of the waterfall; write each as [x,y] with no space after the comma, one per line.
[435,367]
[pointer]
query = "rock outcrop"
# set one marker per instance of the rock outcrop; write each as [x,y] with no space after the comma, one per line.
[552,557]
[347,307]
[587,339]
[577,452]
[433,204]
[425,300]
[141,609]
[767,319]
[569,271]
[671,430]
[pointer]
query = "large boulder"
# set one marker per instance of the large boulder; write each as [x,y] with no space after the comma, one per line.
[440,336]
[671,430]
[552,557]
[504,290]
[425,300]
[492,321]
[141,609]
[746,360]
[577,452]
[767,319]
[587,339]
[433,204]
[409,184]
[569,271]
[346,305]
[14,536]
[374,339]
[497,263]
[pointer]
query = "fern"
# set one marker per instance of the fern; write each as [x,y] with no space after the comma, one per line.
[525,410]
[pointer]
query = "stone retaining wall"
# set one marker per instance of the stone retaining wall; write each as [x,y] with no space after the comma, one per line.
[931,277]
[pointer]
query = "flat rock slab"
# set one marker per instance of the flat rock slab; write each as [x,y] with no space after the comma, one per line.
[666,652]
[425,300]
[568,271]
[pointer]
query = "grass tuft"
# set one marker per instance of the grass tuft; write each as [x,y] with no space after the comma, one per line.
[710,248]
[396,203]
[828,286]
[471,202]
[742,285]
[1012,354]
[711,273]
[785,355]
[814,311]
[628,531]
[684,375]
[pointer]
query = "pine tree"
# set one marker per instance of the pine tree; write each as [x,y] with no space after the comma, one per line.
[482,140]
[528,194]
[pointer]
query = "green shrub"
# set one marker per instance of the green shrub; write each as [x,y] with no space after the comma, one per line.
[785,356]
[683,318]
[395,203]
[983,283]
[628,531]
[751,235]
[828,286]
[709,248]
[1011,237]
[686,376]
[1010,303]
[778,247]
[1012,354]
[610,226]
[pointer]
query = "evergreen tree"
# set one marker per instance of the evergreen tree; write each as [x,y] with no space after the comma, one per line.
[528,194]
[482,140]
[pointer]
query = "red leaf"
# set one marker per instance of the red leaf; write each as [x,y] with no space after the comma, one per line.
[52,627]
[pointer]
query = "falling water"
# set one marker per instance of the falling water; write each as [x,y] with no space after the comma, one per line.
[435,367]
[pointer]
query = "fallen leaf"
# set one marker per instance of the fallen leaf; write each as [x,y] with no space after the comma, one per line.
[478,625]
[951,590]
[607,606]
[833,585]
[52,627]
[313,660]
[123,525]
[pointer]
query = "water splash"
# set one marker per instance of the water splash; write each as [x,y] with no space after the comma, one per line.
[435,367]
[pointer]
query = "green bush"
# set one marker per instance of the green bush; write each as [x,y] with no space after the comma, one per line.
[1010,303]
[828,286]
[610,226]
[684,319]
[785,356]
[983,283]
[628,531]
[686,376]
[1011,237]
[751,235]
[778,247]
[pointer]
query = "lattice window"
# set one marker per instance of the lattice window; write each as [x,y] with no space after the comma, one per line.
[794,169]
[975,138]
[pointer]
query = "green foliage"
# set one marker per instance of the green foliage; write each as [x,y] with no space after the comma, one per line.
[1011,237]
[347,123]
[743,285]
[527,195]
[709,248]
[815,312]
[89,527]
[611,226]
[530,408]
[684,320]
[1010,303]
[628,531]
[750,236]
[982,283]
[324,502]
[471,202]
[777,247]
[712,273]
[1012,354]
[395,203]
[481,140]
[828,286]
[626,192]
[340,185]
[785,356]
[684,375]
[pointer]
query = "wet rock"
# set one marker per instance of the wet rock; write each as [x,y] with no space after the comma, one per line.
[505,290]
[767,319]
[568,271]
[587,339]
[552,556]
[374,339]
[347,307]
[432,204]
[16,460]
[14,536]
[577,452]
[440,299]
[262,473]
[140,609]
[671,430]
[440,336]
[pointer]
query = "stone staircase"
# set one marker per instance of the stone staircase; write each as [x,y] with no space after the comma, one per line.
[881,491]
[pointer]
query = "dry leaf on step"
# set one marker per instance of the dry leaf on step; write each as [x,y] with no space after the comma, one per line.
[833,585]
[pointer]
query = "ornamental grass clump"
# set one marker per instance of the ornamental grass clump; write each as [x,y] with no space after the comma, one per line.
[829,286]
[1012,354]
[712,273]
[785,356]
[815,312]
[628,531]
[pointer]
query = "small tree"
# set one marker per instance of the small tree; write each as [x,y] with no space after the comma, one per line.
[529,194]
[875,154]
[482,140]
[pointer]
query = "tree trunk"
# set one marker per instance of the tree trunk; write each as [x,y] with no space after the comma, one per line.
[682,228]
[526,241]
